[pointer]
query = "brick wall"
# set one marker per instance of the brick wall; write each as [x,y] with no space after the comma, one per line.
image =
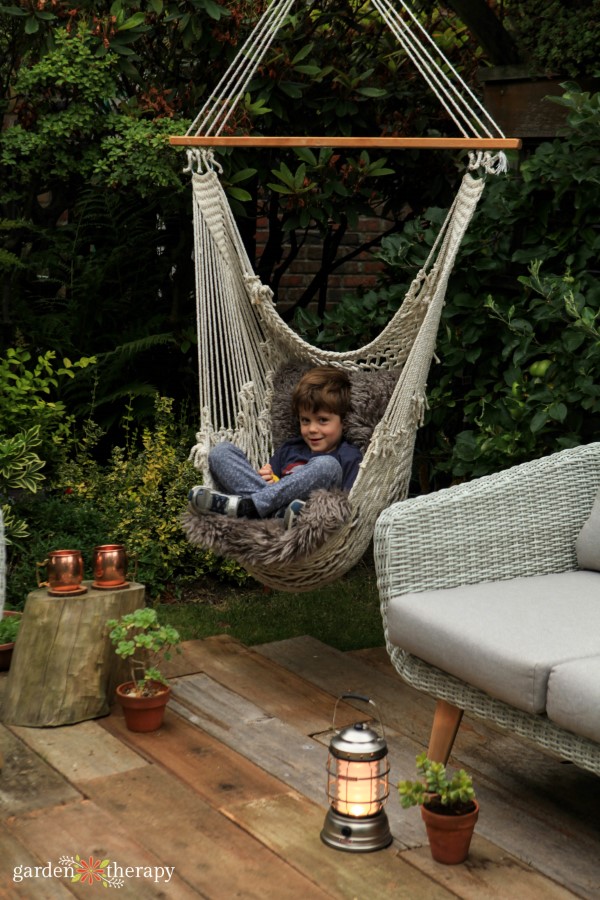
[359,272]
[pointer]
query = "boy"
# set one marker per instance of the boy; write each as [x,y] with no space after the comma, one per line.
[319,458]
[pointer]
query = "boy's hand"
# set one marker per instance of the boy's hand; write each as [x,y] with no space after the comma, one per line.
[266,473]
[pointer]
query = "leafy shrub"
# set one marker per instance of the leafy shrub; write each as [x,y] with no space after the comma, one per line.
[141,494]
[558,37]
[9,629]
[519,344]
[135,499]
[28,394]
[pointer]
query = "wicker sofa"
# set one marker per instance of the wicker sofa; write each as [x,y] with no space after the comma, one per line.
[490,598]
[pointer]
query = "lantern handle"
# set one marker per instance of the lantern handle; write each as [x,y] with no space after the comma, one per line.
[363,699]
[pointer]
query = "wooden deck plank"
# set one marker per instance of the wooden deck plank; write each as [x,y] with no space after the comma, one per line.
[79,754]
[291,756]
[533,807]
[27,782]
[488,874]
[238,787]
[291,825]
[208,850]
[269,685]
[84,828]
[296,759]
[221,776]
[15,858]
[401,707]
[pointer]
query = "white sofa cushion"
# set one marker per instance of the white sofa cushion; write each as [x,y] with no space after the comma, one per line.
[587,545]
[573,700]
[503,637]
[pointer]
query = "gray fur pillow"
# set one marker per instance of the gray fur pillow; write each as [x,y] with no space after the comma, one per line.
[264,541]
[371,392]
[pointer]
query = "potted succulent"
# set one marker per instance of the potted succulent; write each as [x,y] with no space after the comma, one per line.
[9,628]
[139,638]
[448,807]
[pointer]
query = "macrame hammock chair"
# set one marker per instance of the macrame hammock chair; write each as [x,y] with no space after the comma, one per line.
[248,355]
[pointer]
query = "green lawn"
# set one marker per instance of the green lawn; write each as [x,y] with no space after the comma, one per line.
[344,614]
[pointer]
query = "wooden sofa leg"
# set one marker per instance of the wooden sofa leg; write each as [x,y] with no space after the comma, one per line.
[446,722]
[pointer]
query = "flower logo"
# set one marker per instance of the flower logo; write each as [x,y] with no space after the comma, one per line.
[91,871]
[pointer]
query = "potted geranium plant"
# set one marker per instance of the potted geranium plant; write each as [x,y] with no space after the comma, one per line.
[448,807]
[143,641]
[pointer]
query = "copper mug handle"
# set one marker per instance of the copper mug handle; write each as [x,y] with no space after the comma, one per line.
[39,566]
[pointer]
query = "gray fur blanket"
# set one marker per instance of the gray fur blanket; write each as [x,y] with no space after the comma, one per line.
[264,541]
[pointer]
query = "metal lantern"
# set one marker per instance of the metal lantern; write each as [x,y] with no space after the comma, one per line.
[357,787]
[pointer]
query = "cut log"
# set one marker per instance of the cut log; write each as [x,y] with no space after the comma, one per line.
[64,668]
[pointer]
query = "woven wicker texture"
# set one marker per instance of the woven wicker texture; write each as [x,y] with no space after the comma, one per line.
[523,521]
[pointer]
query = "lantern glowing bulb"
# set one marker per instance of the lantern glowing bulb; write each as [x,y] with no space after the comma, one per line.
[357,788]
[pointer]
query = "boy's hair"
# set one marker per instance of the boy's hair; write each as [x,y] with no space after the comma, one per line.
[324,387]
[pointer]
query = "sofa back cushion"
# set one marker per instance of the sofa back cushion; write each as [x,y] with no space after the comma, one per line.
[587,545]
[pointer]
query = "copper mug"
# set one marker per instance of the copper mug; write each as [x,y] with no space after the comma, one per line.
[64,572]
[110,563]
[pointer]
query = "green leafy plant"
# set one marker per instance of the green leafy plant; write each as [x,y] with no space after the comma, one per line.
[135,498]
[143,641]
[557,36]
[9,629]
[28,394]
[436,790]
[518,345]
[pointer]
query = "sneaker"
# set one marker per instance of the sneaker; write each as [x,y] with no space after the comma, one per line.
[292,512]
[206,500]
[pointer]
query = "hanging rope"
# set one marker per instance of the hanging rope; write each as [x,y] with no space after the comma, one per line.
[464,108]
[219,107]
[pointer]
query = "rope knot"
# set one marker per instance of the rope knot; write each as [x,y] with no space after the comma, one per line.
[491,163]
[258,291]
[201,160]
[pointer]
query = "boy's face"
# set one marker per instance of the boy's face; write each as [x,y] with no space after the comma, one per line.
[321,430]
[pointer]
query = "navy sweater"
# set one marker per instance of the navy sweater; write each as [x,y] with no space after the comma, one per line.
[296,453]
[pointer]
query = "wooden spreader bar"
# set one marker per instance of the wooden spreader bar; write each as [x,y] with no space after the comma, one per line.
[424,143]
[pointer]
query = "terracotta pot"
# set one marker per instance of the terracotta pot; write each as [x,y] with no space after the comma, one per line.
[6,650]
[449,836]
[143,713]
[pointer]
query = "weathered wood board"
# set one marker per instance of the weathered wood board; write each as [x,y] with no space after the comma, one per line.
[294,758]
[26,781]
[269,685]
[488,874]
[15,862]
[291,827]
[85,829]
[79,754]
[220,775]
[209,852]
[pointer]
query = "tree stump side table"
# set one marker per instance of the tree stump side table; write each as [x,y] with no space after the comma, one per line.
[64,668]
